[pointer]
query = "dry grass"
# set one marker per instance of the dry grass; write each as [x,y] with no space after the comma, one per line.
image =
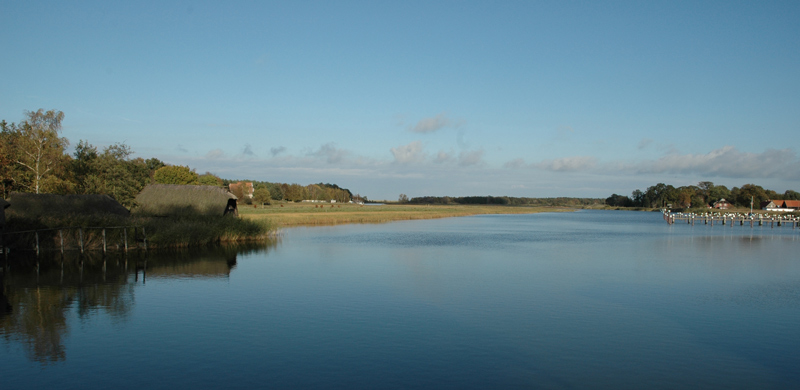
[306,214]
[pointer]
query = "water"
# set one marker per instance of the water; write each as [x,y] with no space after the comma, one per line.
[589,299]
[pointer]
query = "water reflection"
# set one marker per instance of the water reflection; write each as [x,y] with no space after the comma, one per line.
[39,295]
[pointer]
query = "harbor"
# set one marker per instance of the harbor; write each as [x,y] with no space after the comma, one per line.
[731,219]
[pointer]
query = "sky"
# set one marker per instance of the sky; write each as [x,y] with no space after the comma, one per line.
[441,98]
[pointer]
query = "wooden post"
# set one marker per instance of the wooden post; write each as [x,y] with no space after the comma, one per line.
[80,238]
[37,244]
[104,242]
[61,236]
[144,234]
[125,237]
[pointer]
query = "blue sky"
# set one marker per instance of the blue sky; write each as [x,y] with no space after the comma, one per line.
[528,98]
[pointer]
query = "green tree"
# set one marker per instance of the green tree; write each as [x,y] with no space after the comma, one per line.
[718,192]
[111,172]
[748,193]
[261,195]
[210,179]
[403,198]
[791,195]
[175,174]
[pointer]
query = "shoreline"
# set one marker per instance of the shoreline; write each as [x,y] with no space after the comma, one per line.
[300,214]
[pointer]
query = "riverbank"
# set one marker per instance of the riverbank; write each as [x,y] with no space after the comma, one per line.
[311,214]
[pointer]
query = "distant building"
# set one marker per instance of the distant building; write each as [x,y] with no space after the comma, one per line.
[722,204]
[246,188]
[780,205]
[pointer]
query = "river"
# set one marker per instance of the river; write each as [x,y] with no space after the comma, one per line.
[589,300]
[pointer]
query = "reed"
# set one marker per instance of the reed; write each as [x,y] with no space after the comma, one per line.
[309,214]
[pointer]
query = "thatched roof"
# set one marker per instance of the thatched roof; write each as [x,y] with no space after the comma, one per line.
[39,205]
[172,199]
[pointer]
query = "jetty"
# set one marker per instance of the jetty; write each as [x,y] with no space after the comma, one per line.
[725,219]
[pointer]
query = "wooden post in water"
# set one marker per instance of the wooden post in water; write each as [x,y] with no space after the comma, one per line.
[144,234]
[61,236]
[37,246]
[125,238]
[104,243]
[80,238]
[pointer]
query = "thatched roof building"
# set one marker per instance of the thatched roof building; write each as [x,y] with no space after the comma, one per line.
[175,199]
[3,206]
[45,205]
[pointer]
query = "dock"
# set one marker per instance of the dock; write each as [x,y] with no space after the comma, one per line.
[731,219]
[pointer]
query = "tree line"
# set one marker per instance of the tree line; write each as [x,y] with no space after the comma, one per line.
[265,192]
[33,158]
[704,194]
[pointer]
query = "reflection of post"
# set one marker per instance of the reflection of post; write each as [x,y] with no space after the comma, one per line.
[5,306]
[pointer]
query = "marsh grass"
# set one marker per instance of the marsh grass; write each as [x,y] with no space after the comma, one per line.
[162,232]
[305,214]
[198,230]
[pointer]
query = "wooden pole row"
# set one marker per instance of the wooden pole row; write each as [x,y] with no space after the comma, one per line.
[81,243]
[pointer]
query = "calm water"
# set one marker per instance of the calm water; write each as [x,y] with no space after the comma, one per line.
[589,299]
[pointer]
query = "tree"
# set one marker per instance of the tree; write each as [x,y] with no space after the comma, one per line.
[261,195]
[403,198]
[175,174]
[750,193]
[619,201]
[718,192]
[638,198]
[210,179]
[111,172]
[791,195]
[38,147]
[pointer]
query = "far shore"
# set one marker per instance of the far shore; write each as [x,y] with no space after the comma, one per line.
[311,214]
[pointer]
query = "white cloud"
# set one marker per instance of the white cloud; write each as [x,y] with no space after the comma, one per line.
[330,153]
[727,162]
[277,150]
[215,154]
[443,157]
[470,157]
[515,163]
[410,153]
[429,125]
[568,164]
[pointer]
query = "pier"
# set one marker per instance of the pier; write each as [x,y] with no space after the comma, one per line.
[77,238]
[732,219]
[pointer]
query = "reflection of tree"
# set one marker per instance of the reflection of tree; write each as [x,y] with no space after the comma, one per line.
[40,302]
[39,323]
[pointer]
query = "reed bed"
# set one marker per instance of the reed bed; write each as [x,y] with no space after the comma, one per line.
[308,214]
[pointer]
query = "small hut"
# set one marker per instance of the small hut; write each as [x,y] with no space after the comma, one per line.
[176,199]
[3,206]
[33,206]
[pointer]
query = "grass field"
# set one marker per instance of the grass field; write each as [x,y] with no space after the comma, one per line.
[310,214]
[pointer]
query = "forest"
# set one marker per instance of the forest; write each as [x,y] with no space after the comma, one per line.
[704,194]
[34,159]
